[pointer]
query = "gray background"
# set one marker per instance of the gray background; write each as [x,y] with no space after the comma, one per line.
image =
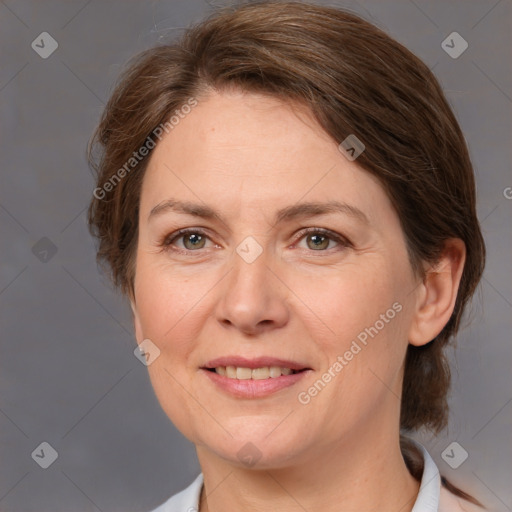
[68,374]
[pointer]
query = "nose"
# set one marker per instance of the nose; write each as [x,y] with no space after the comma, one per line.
[253,298]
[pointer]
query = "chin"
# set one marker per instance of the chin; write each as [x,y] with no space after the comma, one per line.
[256,451]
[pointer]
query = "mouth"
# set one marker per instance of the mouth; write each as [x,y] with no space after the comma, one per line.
[253,378]
[261,373]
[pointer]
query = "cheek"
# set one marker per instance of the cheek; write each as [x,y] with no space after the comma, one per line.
[362,329]
[362,351]
[168,305]
[349,300]
[167,299]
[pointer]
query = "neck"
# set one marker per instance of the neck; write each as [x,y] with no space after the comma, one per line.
[363,473]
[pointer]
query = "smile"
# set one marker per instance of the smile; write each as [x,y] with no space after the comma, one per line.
[262,373]
[253,378]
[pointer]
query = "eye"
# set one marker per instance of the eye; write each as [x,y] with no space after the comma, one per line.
[318,239]
[193,239]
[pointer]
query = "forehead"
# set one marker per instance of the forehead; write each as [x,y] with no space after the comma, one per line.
[239,149]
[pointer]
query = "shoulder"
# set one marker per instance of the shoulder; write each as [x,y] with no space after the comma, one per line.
[186,500]
[448,502]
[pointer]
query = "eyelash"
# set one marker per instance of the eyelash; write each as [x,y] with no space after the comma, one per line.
[166,243]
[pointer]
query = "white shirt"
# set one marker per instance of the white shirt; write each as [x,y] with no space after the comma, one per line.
[431,497]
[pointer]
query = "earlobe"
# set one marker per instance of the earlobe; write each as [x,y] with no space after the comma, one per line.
[437,294]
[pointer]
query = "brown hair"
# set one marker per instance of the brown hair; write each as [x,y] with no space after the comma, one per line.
[355,79]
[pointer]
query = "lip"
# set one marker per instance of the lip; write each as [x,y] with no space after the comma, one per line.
[257,362]
[248,388]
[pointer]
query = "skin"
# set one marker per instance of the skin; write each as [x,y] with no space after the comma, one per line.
[248,155]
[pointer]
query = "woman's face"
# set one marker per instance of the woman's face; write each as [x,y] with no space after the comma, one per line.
[267,280]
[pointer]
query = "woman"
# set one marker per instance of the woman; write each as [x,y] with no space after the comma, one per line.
[287,200]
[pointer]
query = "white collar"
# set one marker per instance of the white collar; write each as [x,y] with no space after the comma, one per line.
[427,500]
[430,485]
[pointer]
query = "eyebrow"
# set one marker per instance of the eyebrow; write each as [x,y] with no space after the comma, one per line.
[301,210]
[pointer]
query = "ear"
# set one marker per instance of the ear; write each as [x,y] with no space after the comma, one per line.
[136,321]
[437,294]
